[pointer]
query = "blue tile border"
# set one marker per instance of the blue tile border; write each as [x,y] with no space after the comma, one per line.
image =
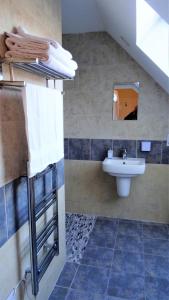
[66,148]
[99,148]
[165,153]
[60,174]
[79,149]
[17,204]
[154,156]
[3,227]
[14,201]
[119,145]
[96,149]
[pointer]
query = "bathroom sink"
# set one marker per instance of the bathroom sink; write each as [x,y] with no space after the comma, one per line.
[129,167]
[123,170]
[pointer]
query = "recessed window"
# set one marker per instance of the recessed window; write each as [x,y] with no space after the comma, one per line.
[152,35]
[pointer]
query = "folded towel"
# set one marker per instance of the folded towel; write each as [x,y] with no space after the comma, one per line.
[27,48]
[43,109]
[26,54]
[56,65]
[3,47]
[16,42]
[60,55]
[46,60]
[22,32]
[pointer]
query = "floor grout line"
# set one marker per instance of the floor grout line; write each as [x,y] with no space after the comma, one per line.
[109,269]
[112,260]
[72,281]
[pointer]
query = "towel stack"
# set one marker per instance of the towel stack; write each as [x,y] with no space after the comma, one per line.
[21,45]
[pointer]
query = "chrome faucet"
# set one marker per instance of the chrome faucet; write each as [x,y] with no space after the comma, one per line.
[124,153]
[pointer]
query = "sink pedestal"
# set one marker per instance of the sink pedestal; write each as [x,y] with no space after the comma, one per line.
[123,186]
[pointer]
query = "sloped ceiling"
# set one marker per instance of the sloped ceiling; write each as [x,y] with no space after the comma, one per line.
[118,18]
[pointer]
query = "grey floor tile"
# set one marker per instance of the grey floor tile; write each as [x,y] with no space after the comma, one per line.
[106,223]
[129,243]
[59,293]
[97,257]
[79,295]
[115,298]
[102,239]
[91,279]
[128,286]
[67,274]
[156,247]
[156,231]
[128,262]
[156,289]
[104,233]
[156,266]
[131,228]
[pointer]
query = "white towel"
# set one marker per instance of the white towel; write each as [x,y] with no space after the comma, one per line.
[43,108]
[59,67]
[60,55]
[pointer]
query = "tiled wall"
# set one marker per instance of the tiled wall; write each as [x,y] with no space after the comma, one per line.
[96,149]
[14,201]
[88,99]
[90,131]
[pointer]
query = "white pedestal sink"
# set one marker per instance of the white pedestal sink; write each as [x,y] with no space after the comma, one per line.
[123,170]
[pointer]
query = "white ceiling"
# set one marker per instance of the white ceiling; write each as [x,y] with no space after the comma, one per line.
[118,18]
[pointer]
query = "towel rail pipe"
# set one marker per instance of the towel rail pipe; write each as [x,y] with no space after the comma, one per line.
[45,208]
[51,221]
[32,237]
[47,260]
[45,238]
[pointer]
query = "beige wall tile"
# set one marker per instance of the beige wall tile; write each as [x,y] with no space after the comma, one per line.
[88,102]
[90,190]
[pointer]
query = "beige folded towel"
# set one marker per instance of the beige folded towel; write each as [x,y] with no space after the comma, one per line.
[22,32]
[27,54]
[26,48]
[3,47]
[16,42]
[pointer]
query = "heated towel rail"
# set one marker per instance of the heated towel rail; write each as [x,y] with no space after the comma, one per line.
[41,251]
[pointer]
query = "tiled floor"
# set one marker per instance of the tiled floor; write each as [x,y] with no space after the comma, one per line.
[123,260]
